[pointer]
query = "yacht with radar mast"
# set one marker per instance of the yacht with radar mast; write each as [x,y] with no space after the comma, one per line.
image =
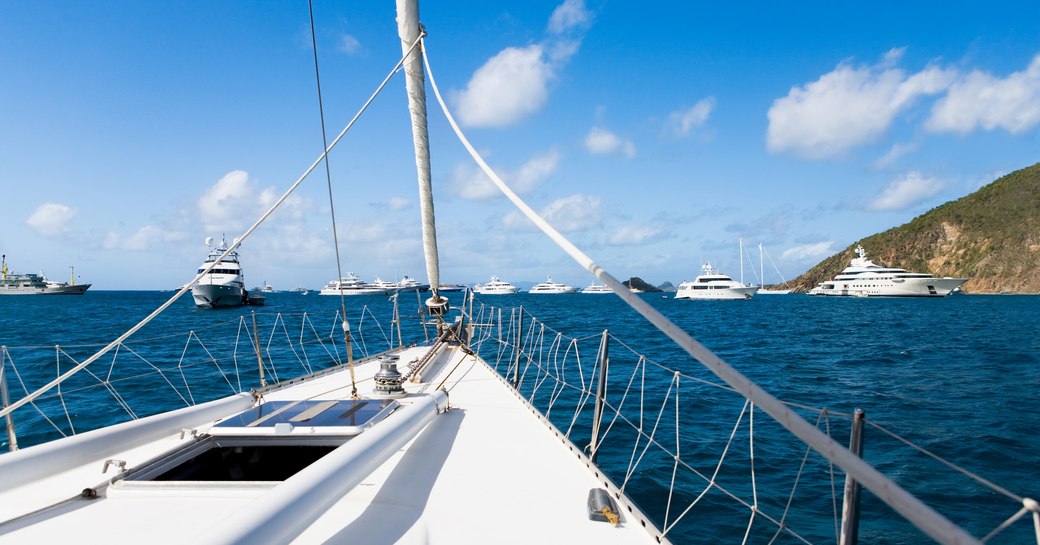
[864,278]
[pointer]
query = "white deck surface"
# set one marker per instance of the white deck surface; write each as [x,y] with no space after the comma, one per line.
[485,471]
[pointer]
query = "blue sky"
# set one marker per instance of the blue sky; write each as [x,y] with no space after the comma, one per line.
[655,136]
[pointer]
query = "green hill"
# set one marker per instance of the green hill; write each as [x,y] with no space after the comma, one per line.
[991,237]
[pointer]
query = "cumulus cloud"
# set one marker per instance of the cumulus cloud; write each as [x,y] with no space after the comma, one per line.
[235,201]
[574,213]
[569,15]
[515,82]
[808,252]
[681,122]
[633,235]
[469,182]
[905,191]
[511,85]
[981,100]
[847,107]
[893,154]
[349,44]
[51,219]
[148,237]
[601,141]
[569,214]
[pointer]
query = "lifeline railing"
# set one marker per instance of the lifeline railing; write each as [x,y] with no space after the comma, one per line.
[694,463]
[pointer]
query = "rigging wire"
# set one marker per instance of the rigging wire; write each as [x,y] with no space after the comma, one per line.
[332,209]
[206,270]
[917,512]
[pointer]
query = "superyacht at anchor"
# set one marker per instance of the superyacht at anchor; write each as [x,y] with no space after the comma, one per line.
[864,278]
[223,286]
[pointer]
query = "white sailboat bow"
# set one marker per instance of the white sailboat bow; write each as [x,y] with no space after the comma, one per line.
[487,431]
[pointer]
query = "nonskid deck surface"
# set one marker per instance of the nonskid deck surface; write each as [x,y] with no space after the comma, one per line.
[485,470]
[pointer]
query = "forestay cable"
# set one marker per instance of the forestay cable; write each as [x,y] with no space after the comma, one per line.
[921,515]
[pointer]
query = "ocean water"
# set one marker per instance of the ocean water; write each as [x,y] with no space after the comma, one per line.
[957,376]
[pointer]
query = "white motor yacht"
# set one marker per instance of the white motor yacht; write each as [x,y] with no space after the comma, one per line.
[224,285]
[495,287]
[711,284]
[351,285]
[864,278]
[597,288]
[408,283]
[551,287]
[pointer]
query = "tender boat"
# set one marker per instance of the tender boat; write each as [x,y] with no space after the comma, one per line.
[495,287]
[864,278]
[222,285]
[351,285]
[550,287]
[595,288]
[711,284]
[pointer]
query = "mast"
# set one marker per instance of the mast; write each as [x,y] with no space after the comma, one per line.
[409,29]
[741,242]
[761,270]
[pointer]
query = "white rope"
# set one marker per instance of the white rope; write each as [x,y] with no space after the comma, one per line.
[917,512]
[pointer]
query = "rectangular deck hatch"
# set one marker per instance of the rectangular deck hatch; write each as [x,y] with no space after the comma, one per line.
[270,442]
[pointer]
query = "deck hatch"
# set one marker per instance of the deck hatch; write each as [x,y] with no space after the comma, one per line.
[339,414]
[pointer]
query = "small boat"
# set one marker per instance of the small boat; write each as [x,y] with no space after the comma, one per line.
[597,288]
[711,284]
[351,285]
[551,287]
[448,288]
[223,286]
[301,290]
[495,287]
[864,278]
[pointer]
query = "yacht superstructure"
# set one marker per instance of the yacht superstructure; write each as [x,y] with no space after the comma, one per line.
[351,285]
[223,286]
[551,287]
[711,284]
[864,278]
[597,288]
[495,286]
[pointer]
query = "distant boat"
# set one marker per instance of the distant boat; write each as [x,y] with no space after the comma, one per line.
[267,288]
[301,290]
[408,283]
[446,288]
[711,284]
[224,285]
[551,287]
[597,288]
[495,287]
[36,284]
[351,285]
[864,278]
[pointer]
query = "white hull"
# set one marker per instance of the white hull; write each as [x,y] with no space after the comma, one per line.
[722,293]
[217,295]
[495,287]
[597,289]
[899,287]
[353,291]
[773,292]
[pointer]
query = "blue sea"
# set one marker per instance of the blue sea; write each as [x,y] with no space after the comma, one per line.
[957,376]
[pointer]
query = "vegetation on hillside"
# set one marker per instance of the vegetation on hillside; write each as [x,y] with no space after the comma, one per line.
[991,237]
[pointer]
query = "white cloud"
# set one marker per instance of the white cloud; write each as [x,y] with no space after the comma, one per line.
[908,190]
[633,235]
[510,86]
[51,219]
[148,237]
[223,206]
[568,214]
[469,182]
[807,252]
[398,203]
[893,154]
[569,15]
[681,122]
[847,107]
[349,44]
[574,213]
[601,141]
[980,100]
